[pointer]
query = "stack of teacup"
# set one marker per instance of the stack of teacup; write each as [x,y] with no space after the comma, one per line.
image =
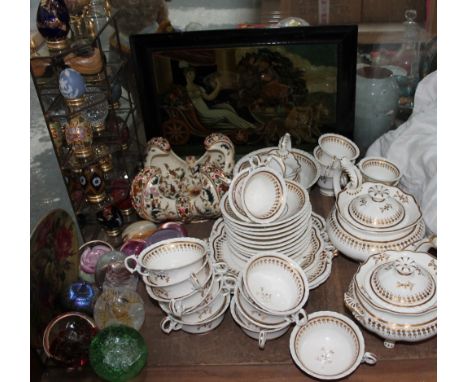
[189,287]
[269,296]
[263,212]
[329,152]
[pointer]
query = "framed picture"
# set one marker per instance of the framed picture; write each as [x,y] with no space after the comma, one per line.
[253,85]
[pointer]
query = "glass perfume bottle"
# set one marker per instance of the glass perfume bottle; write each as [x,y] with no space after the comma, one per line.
[408,55]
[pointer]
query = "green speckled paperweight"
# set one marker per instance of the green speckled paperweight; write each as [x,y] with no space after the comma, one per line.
[118,353]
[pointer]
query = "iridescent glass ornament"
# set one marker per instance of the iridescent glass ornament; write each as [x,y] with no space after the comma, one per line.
[80,296]
[53,23]
[67,339]
[118,353]
[119,306]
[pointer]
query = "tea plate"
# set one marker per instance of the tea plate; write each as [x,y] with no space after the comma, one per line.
[317,266]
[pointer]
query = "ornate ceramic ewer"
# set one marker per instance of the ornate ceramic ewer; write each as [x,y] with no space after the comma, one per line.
[170,188]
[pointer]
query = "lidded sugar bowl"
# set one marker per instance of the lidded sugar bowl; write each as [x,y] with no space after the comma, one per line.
[394,294]
[370,218]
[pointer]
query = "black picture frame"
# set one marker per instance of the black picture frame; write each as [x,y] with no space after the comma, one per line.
[174,47]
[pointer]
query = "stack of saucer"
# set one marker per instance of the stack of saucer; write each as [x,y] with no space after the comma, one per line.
[263,212]
[269,296]
[189,287]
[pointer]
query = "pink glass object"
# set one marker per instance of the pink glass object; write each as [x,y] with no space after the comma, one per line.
[177,226]
[163,234]
[133,247]
[90,257]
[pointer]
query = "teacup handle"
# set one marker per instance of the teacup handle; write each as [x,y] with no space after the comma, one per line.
[285,145]
[254,161]
[369,358]
[176,307]
[194,280]
[228,285]
[220,268]
[278,160]
[137,267]
[168,325]
[354,174]
[262,339]
[299,318]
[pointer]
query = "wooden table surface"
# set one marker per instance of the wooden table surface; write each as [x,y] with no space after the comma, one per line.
[227,354]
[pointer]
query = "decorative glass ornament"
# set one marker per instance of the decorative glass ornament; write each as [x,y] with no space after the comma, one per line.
[90,253]
[291,22]
[104,157]
[111,272]
[97,110]
[118,353]
[55,130]
[163,234]
[80,296]
[53,23]
[116,93]
[120,192]
[119,306]
[79,135]
[92,181]
[67,339]
[118,127]
[133,247]
[76,8]
[111,220]
[72,86]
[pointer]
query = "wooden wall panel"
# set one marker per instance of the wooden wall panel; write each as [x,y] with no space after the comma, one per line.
[341,11]
[378,11]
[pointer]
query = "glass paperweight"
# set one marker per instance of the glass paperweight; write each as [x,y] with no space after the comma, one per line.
[90,253]
[119,306]
[163,234]
[133,247]
[80,297]
[67,339]
[112,273]
[118,353]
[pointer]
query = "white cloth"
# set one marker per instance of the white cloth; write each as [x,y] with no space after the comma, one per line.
[413,148]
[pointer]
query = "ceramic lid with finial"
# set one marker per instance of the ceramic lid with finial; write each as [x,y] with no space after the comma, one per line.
[403,282]
[400,281]
[378,207]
